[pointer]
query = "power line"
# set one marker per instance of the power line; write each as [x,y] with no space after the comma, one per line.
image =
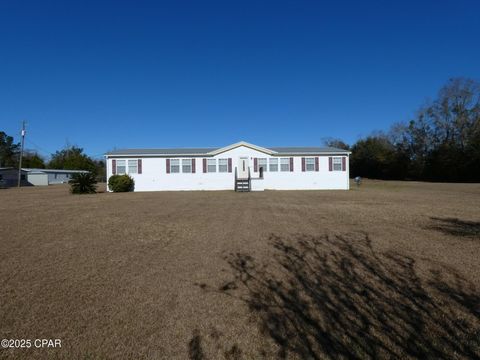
[97,155]
[38,147]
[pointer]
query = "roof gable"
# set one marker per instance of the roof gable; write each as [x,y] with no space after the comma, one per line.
[245,144]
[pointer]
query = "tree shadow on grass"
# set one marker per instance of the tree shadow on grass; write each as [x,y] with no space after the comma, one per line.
[195,351]
[335,297]
[456,227]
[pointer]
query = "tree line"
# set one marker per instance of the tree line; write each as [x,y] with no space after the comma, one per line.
[441,143]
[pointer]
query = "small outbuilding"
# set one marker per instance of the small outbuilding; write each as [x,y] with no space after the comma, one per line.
[36,177]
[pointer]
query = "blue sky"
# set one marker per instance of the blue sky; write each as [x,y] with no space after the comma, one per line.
[105,75]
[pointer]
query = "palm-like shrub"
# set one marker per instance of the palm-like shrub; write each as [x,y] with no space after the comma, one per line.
[121,183]
[83,183]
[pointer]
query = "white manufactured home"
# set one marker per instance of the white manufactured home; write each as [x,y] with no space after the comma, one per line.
[241,167]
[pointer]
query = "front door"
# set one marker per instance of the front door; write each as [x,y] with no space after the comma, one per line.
[243,167]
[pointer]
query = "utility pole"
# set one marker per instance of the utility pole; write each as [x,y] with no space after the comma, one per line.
[21,154]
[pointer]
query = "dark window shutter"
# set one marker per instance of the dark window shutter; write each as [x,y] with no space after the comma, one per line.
[204,165]
[255,164]
[317,166]
[303,164]
[229,165]
[291,164]
[139,166]
[114,166]
[168,166]
[193,165]
[344,163]
[330,164]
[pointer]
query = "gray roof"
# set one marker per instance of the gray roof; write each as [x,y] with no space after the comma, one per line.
[180,151]
[207,151]
[306,150]
[58,171]
[44,171]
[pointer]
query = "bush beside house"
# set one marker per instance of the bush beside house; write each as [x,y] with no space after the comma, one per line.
[121,183]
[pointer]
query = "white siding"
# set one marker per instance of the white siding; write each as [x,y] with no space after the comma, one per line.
[38,179]
[154,176]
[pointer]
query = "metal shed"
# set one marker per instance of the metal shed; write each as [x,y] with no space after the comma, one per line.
[36,177]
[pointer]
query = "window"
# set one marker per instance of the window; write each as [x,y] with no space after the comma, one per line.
[273,164]
[55,176]
[121,167]
[132,166]
[222,165]
[262,163]
[337,164]
[285,164]
[309,164]
[186,165]
[174,165]
[211,165]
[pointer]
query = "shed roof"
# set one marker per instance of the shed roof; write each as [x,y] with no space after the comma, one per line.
[54,171]
[44,171]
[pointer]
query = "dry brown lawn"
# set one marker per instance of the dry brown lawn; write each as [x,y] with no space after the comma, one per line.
[388,270]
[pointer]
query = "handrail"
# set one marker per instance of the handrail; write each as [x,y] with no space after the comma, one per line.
[235,182]
[249,179]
